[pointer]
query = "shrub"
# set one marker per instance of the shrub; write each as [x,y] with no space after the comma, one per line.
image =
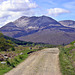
[13,49]
[8,63]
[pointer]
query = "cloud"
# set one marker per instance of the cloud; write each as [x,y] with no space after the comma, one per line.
[13,9]
[57,11]
[12,5]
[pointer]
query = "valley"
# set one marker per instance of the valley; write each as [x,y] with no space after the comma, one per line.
[37,46]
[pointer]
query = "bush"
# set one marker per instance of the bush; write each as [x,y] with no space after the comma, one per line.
[13,49]
[21,57]
[13,64]
[16,60]
[8,63]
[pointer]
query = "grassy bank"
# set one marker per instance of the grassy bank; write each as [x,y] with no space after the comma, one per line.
[21,53]
[67,59]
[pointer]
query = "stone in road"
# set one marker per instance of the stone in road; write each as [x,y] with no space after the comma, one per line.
[44,62]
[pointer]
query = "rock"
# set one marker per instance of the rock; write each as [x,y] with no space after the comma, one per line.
[30,47]
[3,62]
[6,57]
[21,53]
[74,44]
[1,59]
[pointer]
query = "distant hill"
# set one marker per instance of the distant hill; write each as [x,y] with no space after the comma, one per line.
[68,23]
[42,29]
[51,37]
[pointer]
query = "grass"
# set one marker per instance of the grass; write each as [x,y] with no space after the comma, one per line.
[66,64]
[5,69]
[13,62]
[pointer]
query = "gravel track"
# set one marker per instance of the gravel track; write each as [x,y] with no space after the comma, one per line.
[44,62]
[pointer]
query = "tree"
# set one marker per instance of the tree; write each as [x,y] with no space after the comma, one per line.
[4,44]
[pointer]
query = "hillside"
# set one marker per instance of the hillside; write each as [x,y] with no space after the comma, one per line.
[67,59]
[51,37]
[18,42]
[15,41]
[42,29]
[68,23]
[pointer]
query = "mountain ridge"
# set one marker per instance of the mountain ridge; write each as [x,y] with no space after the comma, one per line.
[68,23]
[39,28]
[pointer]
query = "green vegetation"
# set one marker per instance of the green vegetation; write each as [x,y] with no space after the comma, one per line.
[5,44]
[67,59]
[17,56]
[13,49]
[72,43]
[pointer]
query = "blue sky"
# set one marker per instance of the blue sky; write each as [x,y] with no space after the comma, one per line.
[11,10]
[68,5]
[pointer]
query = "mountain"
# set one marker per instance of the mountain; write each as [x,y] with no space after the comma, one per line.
[68,23]
[42,29]
[28,25]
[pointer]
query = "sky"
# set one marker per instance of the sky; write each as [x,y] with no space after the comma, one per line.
[10,10]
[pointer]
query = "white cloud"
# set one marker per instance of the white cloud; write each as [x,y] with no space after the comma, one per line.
[13,9]
[14,5]
[57,11]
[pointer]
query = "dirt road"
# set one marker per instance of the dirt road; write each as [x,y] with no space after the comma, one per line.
[44,62]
